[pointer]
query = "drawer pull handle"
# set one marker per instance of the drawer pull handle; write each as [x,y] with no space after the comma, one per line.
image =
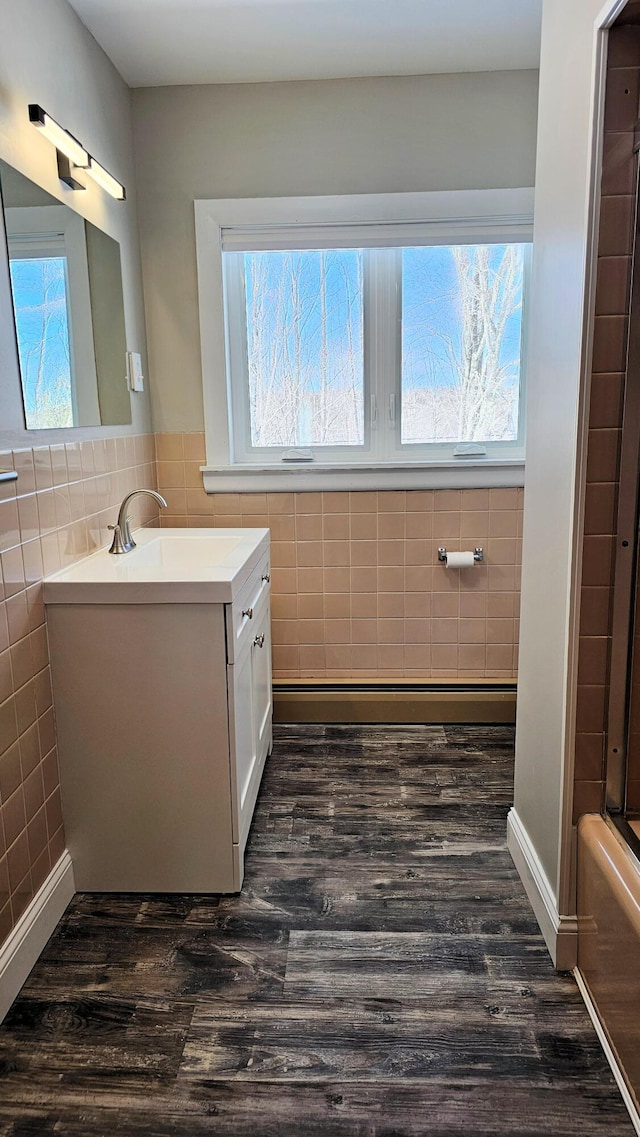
[259,640]
[248,612]
[266,577]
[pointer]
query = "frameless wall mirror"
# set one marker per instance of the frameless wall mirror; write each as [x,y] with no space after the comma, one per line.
[66,280]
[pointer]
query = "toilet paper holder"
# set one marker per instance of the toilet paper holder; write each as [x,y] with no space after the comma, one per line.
[478,554]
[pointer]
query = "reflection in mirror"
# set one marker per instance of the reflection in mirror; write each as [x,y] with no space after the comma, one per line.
[66,279]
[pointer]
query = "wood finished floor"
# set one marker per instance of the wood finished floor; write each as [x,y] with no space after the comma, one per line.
[381,974]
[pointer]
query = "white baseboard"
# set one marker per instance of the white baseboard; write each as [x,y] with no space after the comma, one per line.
[610,1055]
[25,943]
[560,932]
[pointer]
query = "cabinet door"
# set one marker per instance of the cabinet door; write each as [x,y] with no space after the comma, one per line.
[262,696]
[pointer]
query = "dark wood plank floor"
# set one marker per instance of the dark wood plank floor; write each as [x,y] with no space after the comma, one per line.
[381,974]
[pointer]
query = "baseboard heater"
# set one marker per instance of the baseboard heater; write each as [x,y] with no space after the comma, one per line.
[300,701]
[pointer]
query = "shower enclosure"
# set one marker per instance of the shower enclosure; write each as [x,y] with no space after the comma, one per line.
[622,756]
[608,750]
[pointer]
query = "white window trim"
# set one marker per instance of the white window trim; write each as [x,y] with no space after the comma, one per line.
[471,211]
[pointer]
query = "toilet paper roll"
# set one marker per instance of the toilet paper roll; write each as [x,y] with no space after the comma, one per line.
[460,560]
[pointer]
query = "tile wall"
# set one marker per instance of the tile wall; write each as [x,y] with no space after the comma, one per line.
[615,246]
[357,589]
[56,512]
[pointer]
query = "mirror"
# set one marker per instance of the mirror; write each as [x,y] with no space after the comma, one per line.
[66,280]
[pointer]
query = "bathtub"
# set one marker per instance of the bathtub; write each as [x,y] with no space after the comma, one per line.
[609,938]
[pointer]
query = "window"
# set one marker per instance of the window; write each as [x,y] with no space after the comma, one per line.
[300,355]
[356,345]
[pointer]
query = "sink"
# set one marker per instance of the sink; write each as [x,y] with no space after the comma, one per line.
[168,566]
[182,554]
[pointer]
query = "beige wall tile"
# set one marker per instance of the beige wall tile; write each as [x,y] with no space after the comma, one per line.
[338,579]
[363,605]
[194,448]
[364,526]
[336,631]
[364,501]
[311,606]
[310,580]
[472,657]
[336,502]
[417,605]
[337,553]
[390,631]
[447,501]
[364,553]
[391,604]
[444,631]
[364,631]
[444,659]
[336,527]
[391,526]
[309,554]
[420,501]
[391,552]
[170,447]
[308,503]
[473,604]
[312,659]
[446,604]
[417,658]
[310,631]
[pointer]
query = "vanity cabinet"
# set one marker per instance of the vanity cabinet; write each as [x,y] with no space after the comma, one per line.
[163,715]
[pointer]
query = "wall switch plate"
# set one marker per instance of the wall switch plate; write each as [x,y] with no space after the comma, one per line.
[136,378]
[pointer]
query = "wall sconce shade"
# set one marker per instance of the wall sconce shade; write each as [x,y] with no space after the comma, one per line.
[72,155]
[61,139]
[106,180]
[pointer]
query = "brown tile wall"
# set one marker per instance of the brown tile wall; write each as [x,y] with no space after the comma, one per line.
[615,247]
[55,513]
[357,588]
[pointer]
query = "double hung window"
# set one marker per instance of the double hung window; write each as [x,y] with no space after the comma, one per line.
[362,344]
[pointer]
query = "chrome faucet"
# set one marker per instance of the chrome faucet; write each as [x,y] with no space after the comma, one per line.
[123,542]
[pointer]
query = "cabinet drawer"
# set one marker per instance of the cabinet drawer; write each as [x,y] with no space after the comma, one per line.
[244,614]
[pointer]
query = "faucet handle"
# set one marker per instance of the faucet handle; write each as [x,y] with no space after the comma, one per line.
[117,545]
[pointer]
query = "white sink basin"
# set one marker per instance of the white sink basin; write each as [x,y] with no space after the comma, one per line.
[168,566]
[182,554]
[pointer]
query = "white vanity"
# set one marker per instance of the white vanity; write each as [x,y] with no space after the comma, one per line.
[161,663]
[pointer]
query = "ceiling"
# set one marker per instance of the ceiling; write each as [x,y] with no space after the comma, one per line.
[164,42]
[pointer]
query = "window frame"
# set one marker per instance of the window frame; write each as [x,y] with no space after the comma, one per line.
[455,217]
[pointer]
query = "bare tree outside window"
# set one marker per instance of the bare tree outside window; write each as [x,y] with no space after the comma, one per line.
[461,331]
[305,347]
[461,322]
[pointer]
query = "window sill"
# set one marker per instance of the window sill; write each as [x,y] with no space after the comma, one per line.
[284,477]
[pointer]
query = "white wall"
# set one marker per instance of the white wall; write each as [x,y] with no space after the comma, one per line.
[557,396]
[47,56]
[473,131]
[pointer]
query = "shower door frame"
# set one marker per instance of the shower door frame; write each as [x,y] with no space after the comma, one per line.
[627,540]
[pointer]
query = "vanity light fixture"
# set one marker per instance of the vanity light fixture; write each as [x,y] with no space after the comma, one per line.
[72,155]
